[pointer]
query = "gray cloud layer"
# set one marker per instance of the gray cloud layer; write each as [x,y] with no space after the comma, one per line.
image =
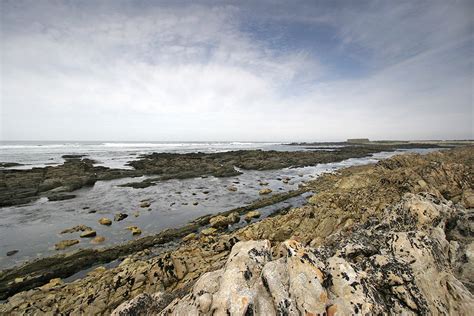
[112,70]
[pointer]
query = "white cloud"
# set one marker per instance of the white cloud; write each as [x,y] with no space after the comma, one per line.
[191,73]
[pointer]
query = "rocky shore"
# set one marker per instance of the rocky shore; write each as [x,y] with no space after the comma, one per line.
[55,182]
[394,237]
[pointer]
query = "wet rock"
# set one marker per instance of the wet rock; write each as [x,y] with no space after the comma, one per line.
[12,252]
[145,204]
[220,221]
[195,203]
[73,156]
[135,230]
[106,221]
[78,228]
[98,240]
[234,217]
[61,197]
[63,244]
[120,216]
[265,191]
[88,234]
[251,215]
[9,164]
[232,188]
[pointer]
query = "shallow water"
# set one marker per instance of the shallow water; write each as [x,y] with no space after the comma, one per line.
[117,154]
[33,229]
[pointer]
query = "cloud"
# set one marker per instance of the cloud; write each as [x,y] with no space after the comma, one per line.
[197,72]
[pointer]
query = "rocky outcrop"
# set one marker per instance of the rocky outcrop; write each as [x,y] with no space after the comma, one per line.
[403,264]
[23,186]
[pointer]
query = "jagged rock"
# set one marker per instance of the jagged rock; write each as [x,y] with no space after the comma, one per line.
[105,221]
[348,215]
[120,216]
[63,244]
[88,234]
[386,267]
[265,191]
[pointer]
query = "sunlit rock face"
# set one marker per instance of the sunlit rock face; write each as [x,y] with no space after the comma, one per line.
[409,262]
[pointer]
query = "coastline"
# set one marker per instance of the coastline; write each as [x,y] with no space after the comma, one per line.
[376,189]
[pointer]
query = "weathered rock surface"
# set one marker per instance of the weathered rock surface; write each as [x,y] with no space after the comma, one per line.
[399,265]
[221,221]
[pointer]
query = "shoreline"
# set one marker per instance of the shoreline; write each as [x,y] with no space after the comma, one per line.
[324,183]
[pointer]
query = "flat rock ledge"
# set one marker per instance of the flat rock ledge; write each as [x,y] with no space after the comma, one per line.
[403,264]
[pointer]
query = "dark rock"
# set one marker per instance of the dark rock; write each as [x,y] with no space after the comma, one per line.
[9,164]
[120,216]
[61,197]
[12,252]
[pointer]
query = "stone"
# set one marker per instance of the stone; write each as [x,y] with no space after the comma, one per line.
[52,283]
[105,221]
[61,197]
[265,191]
[12,252]
[88,234]
[78,228]
[145,204]
[220,221]
[120,216]
[63,244]
[209,231]
[98,240]
[195,203]
[189,237]
[234,217]
[232,188]
[135,230]
[251,215]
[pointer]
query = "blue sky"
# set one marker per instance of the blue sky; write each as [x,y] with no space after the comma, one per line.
[246,70]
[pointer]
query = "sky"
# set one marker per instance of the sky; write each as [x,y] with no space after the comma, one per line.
[236,70]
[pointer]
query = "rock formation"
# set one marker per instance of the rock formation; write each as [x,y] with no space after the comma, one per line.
[406,263]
